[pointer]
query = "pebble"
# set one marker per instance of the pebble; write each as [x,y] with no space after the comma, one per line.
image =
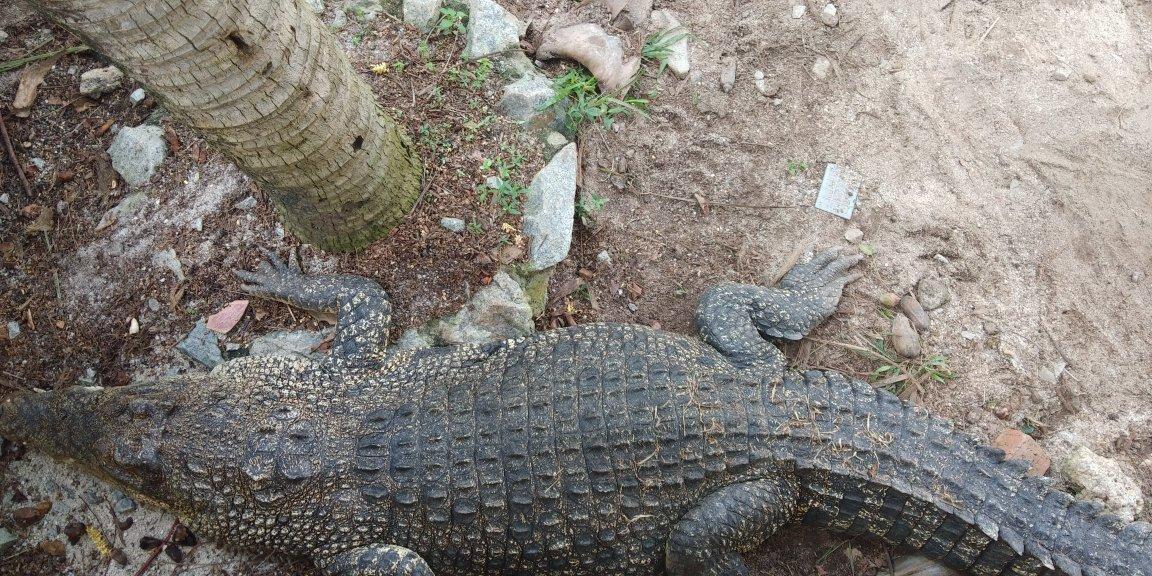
[822,68]
[137,96]
[554,142]
[991,328]
[727,73]
[854,235]
[153,304]
[829,15]
[678,59]
[1104,479]
[7,541]
[497,311]
[766,88]
[932,293]
[53,547]
[456,225]
[137,152]
[95,83]
[13,330]
[5,198]
[604,258]
[550,208]
[1020,446]
[1061,74]
[1052,371]
[39,163]
[632,307]
[125,505]
[248,203]
[133,326]
[915,312]
[905,340]
[202,345]
[493,182]
[888,299]
[799,10]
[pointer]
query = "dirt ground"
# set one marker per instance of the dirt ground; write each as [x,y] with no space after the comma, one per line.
[1004,148]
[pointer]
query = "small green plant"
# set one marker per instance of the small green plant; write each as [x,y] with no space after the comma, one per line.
[585,102]
[590,204]
[453,20]
[472,75]
[903,377]
[795,168]
[658,47]
[475,227]
[399,66]
[508,195]
[424,50]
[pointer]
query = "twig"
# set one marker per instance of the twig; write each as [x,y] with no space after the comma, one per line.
[156,551]
[17,63]
[990,27]
[720,204]
[12,157]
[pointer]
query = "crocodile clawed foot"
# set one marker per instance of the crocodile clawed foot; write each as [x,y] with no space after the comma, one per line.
[829,270]
[274,279]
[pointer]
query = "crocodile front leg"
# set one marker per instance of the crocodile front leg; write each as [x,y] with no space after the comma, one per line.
[736,318]
[362,310]
[378,560]
[709,539]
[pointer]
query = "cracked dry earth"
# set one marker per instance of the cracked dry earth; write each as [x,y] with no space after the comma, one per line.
[1010,138]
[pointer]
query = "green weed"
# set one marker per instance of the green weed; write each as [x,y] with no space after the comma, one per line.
[509,195]
[587,104]
[453,20]
[795,168]
[658,47]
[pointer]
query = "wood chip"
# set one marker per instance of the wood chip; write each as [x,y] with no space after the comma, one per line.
[30,80]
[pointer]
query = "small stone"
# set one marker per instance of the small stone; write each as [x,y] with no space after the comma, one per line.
[604,259]
[1104,479]
[125,505]
[822,68]
[137,152]
[969,335]
[198,224]
[137,96]
[248,203]
[13,329]
[941,258]
[1061,74]
[168,259]
[632,307]
[298,343]
[5,198]
[888,299]
[525,98]
[727,73]
[95,83]
[905,340]
[133,326]
[829,15]
[153,304]
[763,86]
[493,182]
[915,312]
[39,163]
[202,345]
[554,142]
[456,225]
[991,328]
[8,540]
[339,20]
[550,209]
[1020,446]
[491,30]
[932,293]
[1052,371]
[854,235]
[798,11]
[497,311]
[422,14]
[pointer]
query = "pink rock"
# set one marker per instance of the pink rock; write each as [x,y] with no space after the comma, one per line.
[225,320]
[1020,446]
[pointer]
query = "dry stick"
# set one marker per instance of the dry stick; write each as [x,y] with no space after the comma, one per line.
[156,551]
[990,27]
[12,157]
[720,204]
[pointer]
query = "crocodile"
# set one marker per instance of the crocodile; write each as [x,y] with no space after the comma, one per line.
[596,449]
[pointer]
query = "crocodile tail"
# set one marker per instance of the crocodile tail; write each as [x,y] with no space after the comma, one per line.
[873,464]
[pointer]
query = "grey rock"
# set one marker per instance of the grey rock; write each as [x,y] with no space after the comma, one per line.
[1104,479]
[553,143]
[905,340]
[125,505]
[1061,74]
[830,16]
[456,225]
[1052,371]
[365,10]
[339,20]
[991,328]
[5,198]
[932,293]
[137,152]
[98,82]
[248,203]
[632,307]
[8,540]
[168,259]
[493,182]
[678,60]
[550,208]
[854,235]
[137,96]
[498,311]
[822,68]
[798,11]
[727,74]
[153,304]
[604,258]
[13,329]
[316,6]
[764,86]
[525,98]
[3,36]
[422,14]
[39,163]
[202,345]
[412,339]
[298,343]
[491,29]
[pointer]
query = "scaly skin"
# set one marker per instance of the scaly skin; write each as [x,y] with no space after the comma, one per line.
[600,449]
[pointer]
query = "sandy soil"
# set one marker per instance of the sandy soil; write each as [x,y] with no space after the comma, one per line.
[1004,148]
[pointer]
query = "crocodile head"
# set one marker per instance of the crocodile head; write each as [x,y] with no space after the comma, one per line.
[124,434]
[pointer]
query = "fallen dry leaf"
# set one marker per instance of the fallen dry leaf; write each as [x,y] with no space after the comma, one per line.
[599,52]
[30,80]
[172,139]
[43,222]
[226,319]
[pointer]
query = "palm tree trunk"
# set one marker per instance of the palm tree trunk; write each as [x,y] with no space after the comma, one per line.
[266,84]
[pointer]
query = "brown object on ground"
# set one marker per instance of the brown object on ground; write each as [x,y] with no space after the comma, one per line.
[905,340]
[598,51]
[30,515]
[1020,446]
[628,15]
[911,308]
[30,80]
[267,84]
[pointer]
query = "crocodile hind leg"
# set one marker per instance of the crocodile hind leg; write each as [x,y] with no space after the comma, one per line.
[710,538]
[362,310]
[377,560]
[736,319]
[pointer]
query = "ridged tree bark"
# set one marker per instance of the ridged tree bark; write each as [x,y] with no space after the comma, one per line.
[265,83]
